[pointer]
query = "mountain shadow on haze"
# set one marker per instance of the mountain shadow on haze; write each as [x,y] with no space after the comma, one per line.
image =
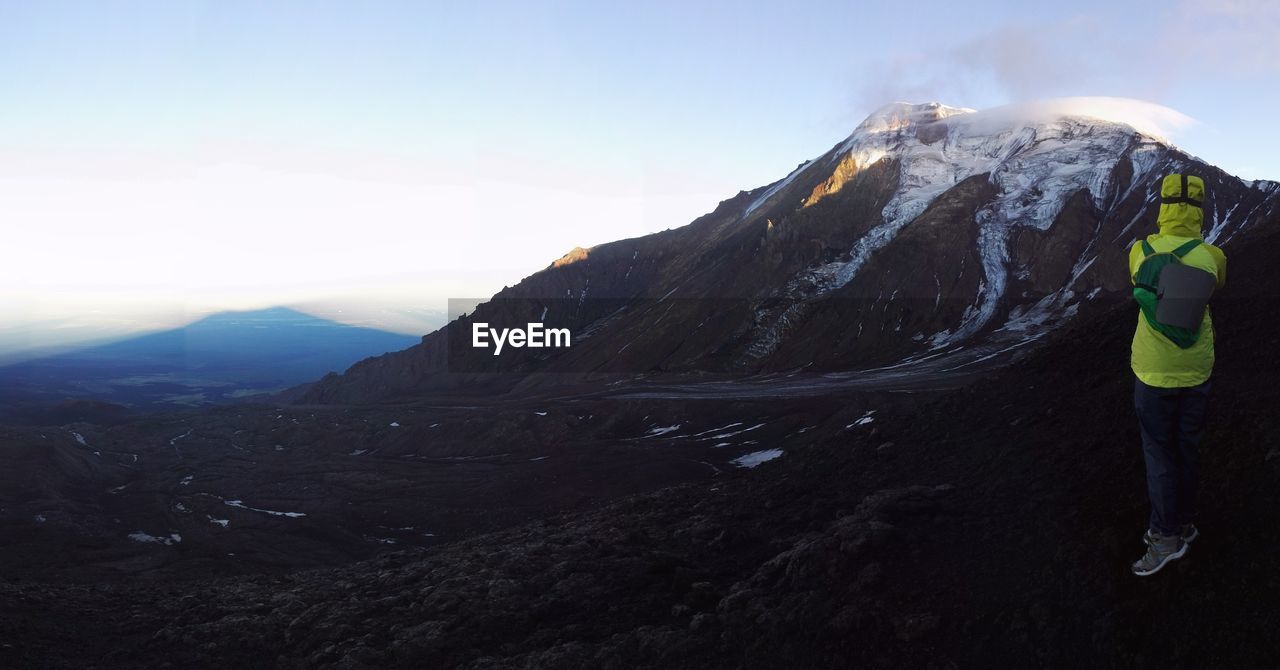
[224,357]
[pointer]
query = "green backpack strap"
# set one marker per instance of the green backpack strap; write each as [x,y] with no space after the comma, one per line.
[1147,252]
[1185,248]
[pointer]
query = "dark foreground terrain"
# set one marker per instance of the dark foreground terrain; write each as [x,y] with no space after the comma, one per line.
[989,526]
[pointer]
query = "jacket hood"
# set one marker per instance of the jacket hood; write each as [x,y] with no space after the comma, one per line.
[1181,205]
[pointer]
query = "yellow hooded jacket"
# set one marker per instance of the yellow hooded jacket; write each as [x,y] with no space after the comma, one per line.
[1154,359]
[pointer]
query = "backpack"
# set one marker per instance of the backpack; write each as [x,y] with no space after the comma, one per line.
[1171,294]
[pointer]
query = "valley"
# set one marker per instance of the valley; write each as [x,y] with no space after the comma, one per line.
[877,413]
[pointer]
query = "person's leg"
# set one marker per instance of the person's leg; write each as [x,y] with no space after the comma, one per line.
[1192,406]
[1155,407]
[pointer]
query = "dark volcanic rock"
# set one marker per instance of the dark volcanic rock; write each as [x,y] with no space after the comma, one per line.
[989,525]
[982,542]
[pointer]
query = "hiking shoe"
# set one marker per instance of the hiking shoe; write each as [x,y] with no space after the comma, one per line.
[1161,549]
[1188,531]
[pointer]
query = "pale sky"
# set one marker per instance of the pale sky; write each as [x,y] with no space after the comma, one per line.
[159,160]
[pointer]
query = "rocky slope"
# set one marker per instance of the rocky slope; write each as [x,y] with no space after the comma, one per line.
[250,489]
[930,515]
[930,229]
[988,527]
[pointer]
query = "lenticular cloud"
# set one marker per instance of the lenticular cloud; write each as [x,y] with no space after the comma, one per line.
[1146,117]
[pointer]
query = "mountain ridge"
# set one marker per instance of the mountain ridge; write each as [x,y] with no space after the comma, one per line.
[828,557]
[224,355]
[921,521]
[831,248]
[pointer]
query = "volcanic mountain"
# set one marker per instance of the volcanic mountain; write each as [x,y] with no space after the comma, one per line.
[931,232]
[220,357]
[771,503]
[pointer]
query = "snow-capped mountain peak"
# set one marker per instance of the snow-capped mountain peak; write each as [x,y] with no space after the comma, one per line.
[1036,160]
[1037,156]
[897,115]
[1153,120]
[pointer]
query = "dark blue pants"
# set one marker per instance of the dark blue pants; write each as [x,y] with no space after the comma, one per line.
[1172,421]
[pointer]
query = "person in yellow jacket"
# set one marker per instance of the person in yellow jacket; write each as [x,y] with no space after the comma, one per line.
[1172,380]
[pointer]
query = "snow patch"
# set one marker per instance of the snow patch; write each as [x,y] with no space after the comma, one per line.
[863,420]
[716,430]
[240,504]
[146,538]
[772,190]
[755,458]
[722,436]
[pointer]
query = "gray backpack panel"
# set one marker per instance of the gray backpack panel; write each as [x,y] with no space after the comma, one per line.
[1184,293]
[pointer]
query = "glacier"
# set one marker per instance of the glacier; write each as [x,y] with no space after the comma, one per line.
[1037,155]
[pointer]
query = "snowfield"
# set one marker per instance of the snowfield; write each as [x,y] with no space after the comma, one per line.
[755,458]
